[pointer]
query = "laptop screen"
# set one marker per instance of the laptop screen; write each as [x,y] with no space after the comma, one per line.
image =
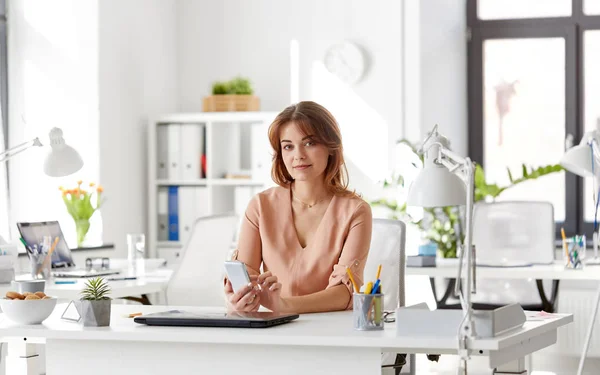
[33,233]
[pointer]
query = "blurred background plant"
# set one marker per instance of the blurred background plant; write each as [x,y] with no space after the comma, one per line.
[81,205]
[235,86]
[443,225]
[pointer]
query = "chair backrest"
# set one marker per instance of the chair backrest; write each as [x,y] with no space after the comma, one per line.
[516,233]
[513,233]
[388,249]
[199,279]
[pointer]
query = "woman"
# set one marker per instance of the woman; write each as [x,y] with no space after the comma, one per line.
[309,229]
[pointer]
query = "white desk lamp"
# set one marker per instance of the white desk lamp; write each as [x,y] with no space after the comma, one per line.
[62,159]
[584,160]
[447,179]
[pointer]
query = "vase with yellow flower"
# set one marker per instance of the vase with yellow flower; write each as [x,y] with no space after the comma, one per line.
[81,205]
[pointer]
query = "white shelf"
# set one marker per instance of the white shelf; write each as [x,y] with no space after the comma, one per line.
[174,244]
[199,182]
[232,142]
[207,182]
[242,117]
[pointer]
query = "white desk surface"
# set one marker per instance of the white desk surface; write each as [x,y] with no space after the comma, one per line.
[152,282]
[554,271]
[317,330]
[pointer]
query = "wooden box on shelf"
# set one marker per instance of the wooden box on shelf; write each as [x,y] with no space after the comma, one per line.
[231,103]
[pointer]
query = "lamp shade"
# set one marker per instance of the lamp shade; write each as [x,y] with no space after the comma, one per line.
[578,160]
[62,159]
[436,186]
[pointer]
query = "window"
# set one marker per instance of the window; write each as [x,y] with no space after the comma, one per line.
[532,88]
[53,59]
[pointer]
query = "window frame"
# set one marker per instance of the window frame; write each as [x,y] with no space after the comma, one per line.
[571,28]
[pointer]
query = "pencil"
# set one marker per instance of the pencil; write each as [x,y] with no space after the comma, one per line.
[49,255]
[564,238]
[378,272]
[356,290]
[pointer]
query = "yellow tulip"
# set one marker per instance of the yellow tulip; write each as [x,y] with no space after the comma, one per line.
[92,184]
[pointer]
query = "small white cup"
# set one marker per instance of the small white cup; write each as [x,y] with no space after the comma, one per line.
[31,286]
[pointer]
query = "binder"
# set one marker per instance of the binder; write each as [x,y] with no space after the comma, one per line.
[187,212]
[163,214]
[192,148]
[162,152]
[174,151]
[173,213]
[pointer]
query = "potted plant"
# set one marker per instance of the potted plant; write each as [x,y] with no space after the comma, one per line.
[233,95]
[94,305]
[443,225]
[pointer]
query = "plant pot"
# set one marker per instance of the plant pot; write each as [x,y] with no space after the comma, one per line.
[94,313]
[231,103]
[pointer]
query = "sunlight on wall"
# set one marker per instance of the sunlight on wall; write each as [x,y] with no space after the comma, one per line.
[364,131]
[54,65]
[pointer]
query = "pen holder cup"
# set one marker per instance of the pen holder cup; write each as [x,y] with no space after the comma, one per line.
[574,252]
[367,314]
[40,267]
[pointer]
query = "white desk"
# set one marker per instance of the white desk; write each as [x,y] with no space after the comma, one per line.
[155,280]
[554,271]
[314,344]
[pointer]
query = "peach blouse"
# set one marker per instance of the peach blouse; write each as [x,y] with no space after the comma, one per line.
[268,237]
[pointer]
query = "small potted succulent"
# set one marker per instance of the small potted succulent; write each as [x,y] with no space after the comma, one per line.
[94,305]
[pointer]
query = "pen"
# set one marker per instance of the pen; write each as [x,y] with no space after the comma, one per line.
[65,282]
[23,242]
[375,286]
[123,278]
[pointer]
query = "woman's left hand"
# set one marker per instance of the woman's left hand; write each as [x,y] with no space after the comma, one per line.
[270,292]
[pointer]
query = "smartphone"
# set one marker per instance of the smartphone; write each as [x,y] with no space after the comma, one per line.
[237,274]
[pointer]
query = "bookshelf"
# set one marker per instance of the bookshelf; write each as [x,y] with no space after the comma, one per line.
[189,157]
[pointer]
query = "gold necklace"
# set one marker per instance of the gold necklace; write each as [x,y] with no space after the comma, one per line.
[306,204]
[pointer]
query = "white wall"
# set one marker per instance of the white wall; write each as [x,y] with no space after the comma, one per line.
[436,69]
[52,64]
[156,56]
[137,79]
[222,39]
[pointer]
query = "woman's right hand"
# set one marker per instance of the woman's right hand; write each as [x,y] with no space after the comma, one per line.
[245,299]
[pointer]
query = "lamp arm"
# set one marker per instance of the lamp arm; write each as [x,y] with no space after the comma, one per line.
[6,155]
[467,327]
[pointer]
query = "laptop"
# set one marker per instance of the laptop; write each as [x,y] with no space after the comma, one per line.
[63,264]
[259,319]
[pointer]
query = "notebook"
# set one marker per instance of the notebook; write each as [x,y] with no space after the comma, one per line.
[63,264]
[259,319]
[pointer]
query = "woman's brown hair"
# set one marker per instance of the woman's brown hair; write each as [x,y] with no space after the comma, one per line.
[314,120]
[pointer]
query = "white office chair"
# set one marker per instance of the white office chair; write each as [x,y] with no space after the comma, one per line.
[513,234]
[388,249]
[199,279]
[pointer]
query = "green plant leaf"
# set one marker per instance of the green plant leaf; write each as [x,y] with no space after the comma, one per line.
[95,289]
[220,88]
